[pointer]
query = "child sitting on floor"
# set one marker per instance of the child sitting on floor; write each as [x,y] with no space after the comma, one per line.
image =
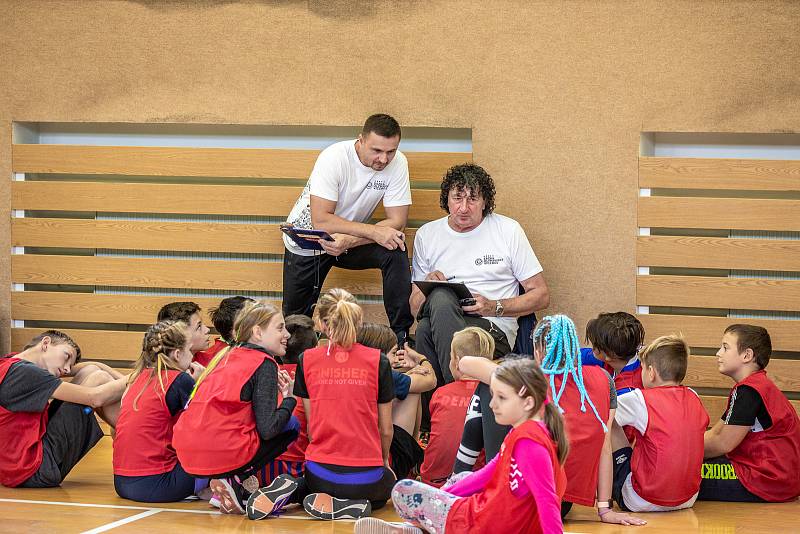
[662,471]
[753,451]
[616,339]
[222,317]
[43,440]
[189,313]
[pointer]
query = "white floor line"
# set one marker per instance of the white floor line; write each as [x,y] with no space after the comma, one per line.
[121,522]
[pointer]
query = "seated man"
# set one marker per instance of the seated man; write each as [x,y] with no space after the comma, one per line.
[348,181]
[489,253]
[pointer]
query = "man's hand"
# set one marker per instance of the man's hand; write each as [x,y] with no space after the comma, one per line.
[339,246]
[388,237]
[483,306]
[436,276]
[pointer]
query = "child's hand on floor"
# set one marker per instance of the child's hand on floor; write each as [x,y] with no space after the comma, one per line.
[620,518]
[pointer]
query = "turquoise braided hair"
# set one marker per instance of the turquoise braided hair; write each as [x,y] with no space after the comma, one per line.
[561,357]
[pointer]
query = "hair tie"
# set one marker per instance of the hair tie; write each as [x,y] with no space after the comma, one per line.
[546,401]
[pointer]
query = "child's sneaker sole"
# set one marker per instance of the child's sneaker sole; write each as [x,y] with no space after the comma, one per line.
[270,499]
[323,506]
[228,501]
[373,525]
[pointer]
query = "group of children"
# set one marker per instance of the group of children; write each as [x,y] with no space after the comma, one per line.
[270,416]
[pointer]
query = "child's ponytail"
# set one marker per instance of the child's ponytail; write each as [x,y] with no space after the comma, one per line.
[159,340]
[338,314]
[555,424]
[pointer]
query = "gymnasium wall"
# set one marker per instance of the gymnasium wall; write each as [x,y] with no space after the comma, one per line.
[556,93]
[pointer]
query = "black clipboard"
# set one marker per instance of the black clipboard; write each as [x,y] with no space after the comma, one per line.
[426,286]
[306,238]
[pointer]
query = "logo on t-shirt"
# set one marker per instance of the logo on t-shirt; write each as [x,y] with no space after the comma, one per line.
[488,259]
[378,185]
[341,356]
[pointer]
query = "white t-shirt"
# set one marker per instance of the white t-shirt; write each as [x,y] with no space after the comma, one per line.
[340,176]
[490,260]
[632,411]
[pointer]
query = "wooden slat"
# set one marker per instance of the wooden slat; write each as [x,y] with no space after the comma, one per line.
[715,406]
[276,201]
[711,292]
[707,331]
[170,273]
[94,344]
[211,162]
[120,309]
[703,372]
[180,199]
[724,213]
[718,253]
[145,235]
[702,173]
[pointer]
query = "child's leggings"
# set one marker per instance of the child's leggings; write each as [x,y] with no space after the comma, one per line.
[422,505]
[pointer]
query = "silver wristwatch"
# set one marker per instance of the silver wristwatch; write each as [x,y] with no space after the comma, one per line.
[499,308]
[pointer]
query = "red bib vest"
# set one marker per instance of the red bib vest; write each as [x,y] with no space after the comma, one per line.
[297,449]
[666,460]
[768,462]
[585,434]
[204,357]
[143,441]
[343,391]
[496,508]
[625,380]
[217,431]
[449,406]
[21,437]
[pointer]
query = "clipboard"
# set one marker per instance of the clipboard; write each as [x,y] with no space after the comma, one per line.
[426,286]
[306,238]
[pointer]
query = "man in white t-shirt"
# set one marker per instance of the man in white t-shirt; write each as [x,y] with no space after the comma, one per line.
[348,181]
[489,253]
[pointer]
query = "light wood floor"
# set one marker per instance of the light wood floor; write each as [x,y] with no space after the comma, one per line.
[86,502]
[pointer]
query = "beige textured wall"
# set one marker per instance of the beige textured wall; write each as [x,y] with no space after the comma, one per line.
[556,91]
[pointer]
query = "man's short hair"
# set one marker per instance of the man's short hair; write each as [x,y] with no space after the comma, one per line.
[618,335]
[472,177]
[669,355]
[753,337]
[178,311]
[302,336]
[57,338]
[223,315]
[381,124]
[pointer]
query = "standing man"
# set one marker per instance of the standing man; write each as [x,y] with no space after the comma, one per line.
[348,181]
[489,253]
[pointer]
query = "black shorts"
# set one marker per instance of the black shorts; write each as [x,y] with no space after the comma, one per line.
[406,453]
[622,468]
[718,482]
[72,431]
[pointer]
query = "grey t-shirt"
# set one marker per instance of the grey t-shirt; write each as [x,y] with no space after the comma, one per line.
[27,388]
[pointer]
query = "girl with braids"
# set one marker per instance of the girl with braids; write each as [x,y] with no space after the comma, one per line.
[518,491]
[347,392]
[239,417]
[586,398]
[146,468]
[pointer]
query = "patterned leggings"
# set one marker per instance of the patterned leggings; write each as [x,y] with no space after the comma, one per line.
[422,505]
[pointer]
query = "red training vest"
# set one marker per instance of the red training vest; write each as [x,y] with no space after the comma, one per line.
[217,431]
[343,392]
[297,449]
[626,379]
[496,508]
[204,357]
[768,462]
[585,433]
[666,460]
[21,437]
[143,441]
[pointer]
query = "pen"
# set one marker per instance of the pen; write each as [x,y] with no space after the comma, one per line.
[450,278]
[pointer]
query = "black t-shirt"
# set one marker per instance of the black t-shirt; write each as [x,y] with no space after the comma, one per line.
[178,393]
[747,408]
[385,381]
[27,388]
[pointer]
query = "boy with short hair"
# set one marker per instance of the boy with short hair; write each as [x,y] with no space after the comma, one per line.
[189,313]
[302,336]
[661,472]
[616,339]
[43,440]
[222,317]
[753,451]
[449,406]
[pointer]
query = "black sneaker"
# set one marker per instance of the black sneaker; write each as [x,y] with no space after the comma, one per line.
[270,499]
[231,495]
[323,506]
[373,525]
